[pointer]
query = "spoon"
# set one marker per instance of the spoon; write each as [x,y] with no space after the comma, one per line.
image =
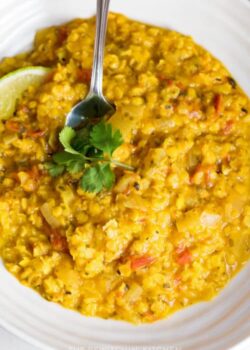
[95,104]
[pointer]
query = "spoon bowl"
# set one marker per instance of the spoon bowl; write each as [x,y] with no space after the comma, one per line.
[86,112]
[95,106]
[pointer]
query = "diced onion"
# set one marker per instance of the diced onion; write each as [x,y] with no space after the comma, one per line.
[47,214]
[209,219]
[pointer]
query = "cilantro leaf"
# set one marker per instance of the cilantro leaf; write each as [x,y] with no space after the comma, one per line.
[73,162]
[66,136]
[64,158]
[86,147]
[80,142]
[91,180]
[75,166]
[93,152]
[54,169]
[98,177]
[104,138]
[108,175]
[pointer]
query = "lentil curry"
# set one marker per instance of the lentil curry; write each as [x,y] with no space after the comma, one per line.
[169,234]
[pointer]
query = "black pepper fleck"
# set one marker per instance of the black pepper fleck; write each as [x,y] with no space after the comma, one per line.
[232,82]
[137,186]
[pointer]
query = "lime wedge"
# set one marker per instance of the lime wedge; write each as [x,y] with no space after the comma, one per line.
[13,84]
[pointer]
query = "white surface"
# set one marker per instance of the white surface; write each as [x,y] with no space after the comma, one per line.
[223,27]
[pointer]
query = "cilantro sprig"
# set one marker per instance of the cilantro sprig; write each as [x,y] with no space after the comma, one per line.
[88,151]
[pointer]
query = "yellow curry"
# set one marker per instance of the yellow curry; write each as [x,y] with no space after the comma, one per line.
[169,234]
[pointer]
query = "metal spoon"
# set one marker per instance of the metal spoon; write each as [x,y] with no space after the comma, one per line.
[94,105]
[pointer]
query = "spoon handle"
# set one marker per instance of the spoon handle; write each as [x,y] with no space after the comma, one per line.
[101,28]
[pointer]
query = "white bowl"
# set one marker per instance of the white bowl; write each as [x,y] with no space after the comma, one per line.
[223,27]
